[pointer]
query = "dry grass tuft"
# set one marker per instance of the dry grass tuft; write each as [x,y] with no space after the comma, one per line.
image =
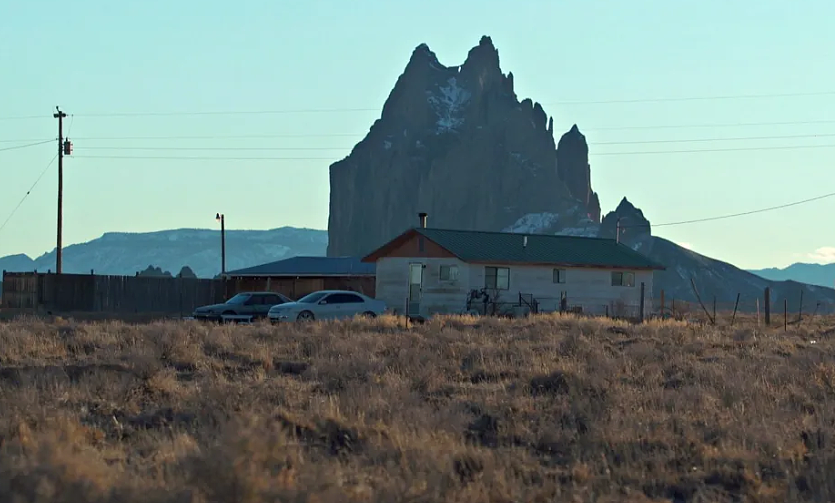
[457,409]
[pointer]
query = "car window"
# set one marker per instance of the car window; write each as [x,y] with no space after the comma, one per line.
[273,299]
[238,299]
[344,298]
[312,298]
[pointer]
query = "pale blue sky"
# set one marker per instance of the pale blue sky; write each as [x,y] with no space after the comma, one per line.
[95,57]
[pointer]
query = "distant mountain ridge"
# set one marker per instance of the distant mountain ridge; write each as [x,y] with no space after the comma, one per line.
[126,253]
[813,274]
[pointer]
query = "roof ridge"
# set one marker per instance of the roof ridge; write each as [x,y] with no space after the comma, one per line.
[419,229]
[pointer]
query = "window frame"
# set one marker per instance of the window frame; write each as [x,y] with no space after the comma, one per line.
[450,277]
[558,276]
[623,275]
[496,286]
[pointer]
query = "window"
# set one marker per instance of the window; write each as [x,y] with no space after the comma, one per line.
[312,298]
[497,278]
[559,275]
[240,298]
[344,298]
[623,279]
[449,273]
[273,299]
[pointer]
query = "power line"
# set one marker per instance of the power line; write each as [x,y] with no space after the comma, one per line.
[645,152]
[736,149]
[217,137]
[205,158]
[696,98]
[738,138]
[733,215]
[28,192]
[711,125]
[22,117]
[231,112]
[379,108]
[327,135]
[26,146]
[28,140]
[638,142]
[83,148]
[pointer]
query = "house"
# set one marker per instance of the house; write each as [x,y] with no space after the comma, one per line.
[426,271]
[298,276]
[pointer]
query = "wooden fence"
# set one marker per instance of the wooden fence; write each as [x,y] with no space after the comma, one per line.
[68,293]
[113,294]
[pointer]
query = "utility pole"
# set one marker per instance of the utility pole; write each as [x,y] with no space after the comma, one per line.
[617,232]
[222,219]
[60,116]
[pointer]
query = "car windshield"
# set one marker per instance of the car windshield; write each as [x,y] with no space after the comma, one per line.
[312,298]
[238,299]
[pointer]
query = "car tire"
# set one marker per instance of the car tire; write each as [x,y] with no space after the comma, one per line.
[305,316]
[369,314]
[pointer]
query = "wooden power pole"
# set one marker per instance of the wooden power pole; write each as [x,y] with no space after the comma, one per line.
[60,116]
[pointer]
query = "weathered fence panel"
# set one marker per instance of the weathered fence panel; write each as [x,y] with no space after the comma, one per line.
[146,294]
[114,294]
[20,291]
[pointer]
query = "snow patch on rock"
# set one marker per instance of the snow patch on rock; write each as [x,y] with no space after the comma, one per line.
[587,231]
[448,104]
[533,223]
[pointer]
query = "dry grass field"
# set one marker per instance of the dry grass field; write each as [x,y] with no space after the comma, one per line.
[461,409]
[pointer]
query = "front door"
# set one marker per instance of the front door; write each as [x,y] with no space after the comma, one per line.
[415,288]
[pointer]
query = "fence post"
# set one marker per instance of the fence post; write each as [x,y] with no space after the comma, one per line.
[714,309]
[736,305]
[758,311]
[642,302]
[785,314]
[767,306]
[800,309]
[663,315]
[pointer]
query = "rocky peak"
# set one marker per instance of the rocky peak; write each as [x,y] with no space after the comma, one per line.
[574,170]
[633,224]
[454,142]
[483,58]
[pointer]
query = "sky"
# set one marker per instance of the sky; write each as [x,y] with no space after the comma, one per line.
[328,66]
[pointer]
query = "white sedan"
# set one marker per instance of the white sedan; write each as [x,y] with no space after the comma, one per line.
[327,304]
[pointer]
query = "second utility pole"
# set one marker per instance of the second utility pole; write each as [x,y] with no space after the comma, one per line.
[60,116]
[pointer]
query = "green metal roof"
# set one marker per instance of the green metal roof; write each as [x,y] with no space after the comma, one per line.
[498,247]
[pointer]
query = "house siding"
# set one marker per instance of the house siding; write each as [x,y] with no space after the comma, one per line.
[586,287]
[438,297]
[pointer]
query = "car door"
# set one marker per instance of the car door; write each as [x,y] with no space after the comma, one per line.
[264,305]
[328,307]
[352,304]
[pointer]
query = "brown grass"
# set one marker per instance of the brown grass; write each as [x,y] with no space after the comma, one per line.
[459,409]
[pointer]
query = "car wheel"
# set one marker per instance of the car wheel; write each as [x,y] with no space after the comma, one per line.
[305,316]
[369,314]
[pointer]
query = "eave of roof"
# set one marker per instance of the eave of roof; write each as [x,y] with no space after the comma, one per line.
[633,259]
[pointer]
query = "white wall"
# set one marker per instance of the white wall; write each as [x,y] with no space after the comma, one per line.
[590,288]
[392,285]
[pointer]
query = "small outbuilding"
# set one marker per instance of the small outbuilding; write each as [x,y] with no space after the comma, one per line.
[295,277]
[426,271]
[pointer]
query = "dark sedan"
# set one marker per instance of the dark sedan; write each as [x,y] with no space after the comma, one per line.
[254,304]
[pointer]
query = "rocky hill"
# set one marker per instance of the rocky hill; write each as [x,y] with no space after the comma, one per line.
[814,274]
[123,253]
[712,277]
[456,142]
